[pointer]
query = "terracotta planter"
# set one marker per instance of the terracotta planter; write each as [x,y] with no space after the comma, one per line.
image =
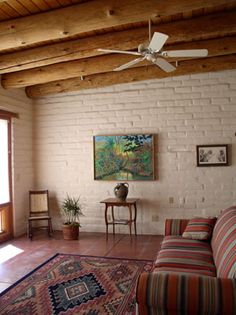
[70,232]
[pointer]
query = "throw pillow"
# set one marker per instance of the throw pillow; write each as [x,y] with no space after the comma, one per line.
[199,228]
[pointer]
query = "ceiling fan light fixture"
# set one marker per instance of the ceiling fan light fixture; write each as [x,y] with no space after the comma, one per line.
[142,48]
[150,57]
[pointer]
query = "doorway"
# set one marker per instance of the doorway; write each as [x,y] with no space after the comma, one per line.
[6,218]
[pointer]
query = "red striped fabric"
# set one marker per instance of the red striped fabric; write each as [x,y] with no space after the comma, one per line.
[186,254]
[180,294]
[224,243]
[175,226]
[199,228]
[178,270]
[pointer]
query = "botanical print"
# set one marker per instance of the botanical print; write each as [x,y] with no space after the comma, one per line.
[127,157]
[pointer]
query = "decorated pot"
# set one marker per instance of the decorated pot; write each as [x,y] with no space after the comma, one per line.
[121,191]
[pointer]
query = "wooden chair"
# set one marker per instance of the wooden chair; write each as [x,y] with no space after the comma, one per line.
[38,211]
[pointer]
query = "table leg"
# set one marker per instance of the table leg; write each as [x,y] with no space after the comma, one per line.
[135,217]
[130,220]
[113,219]
[106,221]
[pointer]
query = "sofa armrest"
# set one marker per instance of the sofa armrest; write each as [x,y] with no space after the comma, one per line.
[175,226]
[172,293]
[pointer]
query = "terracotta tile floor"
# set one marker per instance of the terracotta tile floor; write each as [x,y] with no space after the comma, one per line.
[41,248]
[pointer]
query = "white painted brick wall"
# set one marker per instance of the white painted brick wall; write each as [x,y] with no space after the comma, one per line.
[182,111]
[22,134]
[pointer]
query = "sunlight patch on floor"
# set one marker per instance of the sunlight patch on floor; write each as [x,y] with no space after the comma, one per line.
[8,252]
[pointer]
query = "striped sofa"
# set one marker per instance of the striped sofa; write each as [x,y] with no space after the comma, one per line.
[190,276]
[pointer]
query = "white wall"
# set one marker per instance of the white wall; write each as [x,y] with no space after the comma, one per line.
[182,111]
[22,128]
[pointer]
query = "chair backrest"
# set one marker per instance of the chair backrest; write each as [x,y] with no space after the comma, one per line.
[38,202]
[224,243]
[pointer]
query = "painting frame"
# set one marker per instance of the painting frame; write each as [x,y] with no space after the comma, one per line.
[148,142]
[212,155]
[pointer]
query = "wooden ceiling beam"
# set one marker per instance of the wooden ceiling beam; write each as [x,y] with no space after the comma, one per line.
[102,64]
[132,75]
[91,16]
[179,31]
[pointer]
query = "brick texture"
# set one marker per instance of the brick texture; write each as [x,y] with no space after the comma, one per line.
[182,112]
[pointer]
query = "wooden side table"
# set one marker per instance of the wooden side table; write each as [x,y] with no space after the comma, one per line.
[129,203]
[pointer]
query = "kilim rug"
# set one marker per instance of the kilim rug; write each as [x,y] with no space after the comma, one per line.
[74,284]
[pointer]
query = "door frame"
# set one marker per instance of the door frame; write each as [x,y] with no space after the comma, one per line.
[6,209]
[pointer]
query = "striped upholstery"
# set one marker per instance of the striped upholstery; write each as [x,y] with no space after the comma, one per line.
[183,281]
[184,271]
[224,244]
[175,226]
[186,254]
[199,228]
[173,294]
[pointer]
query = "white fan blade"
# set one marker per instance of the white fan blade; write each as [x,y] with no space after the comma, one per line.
[120,52]
[129,64]
[157,41]
[186,53]
[164,65]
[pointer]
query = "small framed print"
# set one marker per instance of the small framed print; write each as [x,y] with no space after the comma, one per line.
[212,155]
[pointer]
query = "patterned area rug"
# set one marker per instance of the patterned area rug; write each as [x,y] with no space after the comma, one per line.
[74,284]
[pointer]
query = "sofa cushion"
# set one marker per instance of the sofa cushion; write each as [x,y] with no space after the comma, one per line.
[199,228]
[186,254]
[224,243]
[183,271]
[175,226]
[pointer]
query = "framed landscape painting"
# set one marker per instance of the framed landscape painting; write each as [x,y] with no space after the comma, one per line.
[124,157]
[212,155]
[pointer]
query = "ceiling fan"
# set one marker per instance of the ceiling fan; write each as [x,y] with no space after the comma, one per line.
[155,54]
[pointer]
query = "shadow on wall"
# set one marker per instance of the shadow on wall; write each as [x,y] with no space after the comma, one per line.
[55,211]
[232,153]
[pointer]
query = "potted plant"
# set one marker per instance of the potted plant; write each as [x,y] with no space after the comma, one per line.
[71,210]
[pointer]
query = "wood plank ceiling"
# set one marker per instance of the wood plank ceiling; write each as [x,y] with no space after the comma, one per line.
[50,46]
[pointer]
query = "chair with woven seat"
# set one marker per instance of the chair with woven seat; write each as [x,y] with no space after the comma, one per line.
[39,211]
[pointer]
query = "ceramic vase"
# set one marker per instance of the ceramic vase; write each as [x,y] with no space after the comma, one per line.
[121,191]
